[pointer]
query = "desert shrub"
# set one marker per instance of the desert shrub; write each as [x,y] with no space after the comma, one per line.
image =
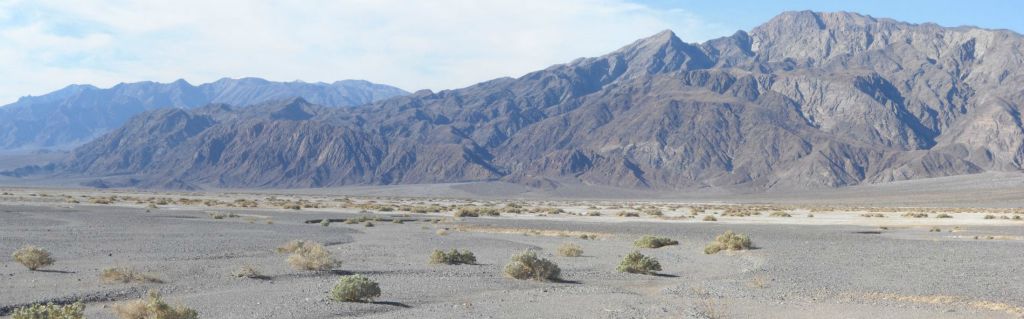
[594,214]
[526,265]
[943,215]
[355,288]
[312,256]
[325,222]
[50,311]
[780,214]
[570,250]
[935,230]
[442,232]
[32,257]
[466,212]
[915,215]
[649,241]
[247,271]
[990,216]
[153,307]
[654,212]
[588,236]
[728,241]
[810,215]
[709,218]
[292,206]
[453,257]
[870,215]
[125,275]
[637,263]
[628,214]
[368,224]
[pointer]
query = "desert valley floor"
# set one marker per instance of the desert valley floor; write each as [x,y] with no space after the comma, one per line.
[819,262]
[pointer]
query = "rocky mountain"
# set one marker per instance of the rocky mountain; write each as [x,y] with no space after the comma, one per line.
[805,100]
[79,113]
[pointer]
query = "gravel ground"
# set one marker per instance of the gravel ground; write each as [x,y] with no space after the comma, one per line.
[797,271]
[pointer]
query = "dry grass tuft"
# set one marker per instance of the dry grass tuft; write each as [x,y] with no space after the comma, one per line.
[153,307]
[312,256]
[248,271]
[570,250]
[33,257]
[126,275]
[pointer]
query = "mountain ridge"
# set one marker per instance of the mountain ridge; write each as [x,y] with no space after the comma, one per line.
[805,100]
[77,113]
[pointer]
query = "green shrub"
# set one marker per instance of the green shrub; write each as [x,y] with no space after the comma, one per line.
[50,311]
[355,288]
[325,222]
[527,265]
[33,257]
[649,241]
[728,241]
[152,307]
[454,257]
[570,250]
[637,263]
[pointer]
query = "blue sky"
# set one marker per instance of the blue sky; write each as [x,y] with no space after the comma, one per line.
[436,44]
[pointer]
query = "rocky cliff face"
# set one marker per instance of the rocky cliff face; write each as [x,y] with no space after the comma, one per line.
[79,113]
[806,100]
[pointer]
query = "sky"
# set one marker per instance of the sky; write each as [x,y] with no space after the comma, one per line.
[46,45]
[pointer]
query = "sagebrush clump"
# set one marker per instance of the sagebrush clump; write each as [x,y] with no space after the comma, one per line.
[527,265]
[355,288]
[50,311]
[649,241]
[308,255]
[153,307]
[33,257]
[453,257]
[570,250]
[637,263]
[728,241]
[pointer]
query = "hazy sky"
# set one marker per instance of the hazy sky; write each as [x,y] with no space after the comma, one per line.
[414,44]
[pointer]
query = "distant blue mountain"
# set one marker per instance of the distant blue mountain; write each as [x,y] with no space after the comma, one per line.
[78,113]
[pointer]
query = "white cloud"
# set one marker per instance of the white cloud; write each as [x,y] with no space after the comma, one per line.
[47,44]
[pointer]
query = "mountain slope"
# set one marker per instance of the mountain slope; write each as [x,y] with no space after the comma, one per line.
[805,100]
[78,113]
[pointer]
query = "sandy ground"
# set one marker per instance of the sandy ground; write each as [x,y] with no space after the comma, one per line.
[836,264]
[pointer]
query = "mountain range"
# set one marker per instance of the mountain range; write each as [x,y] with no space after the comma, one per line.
[806,100]
[78,113]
